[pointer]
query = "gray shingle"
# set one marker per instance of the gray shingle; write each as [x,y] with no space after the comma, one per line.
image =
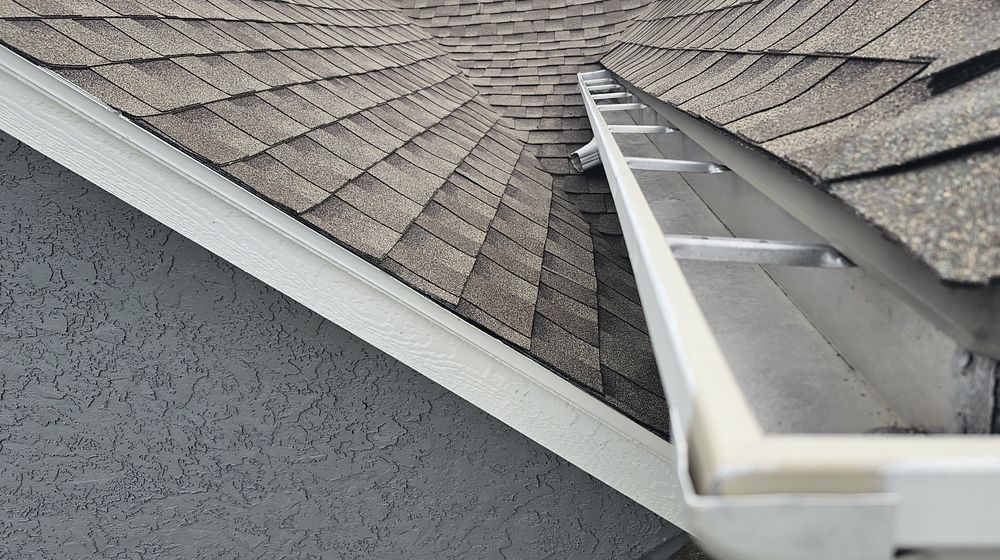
[221,73]
[102,38]
[433,259]
[40,41]
[568,313]
[408,179]
[511,256]
[158,36]
[946,213]
[627,351]
[347,145]
[501,294]
[256,117]
[206,134]
[557,346]
[273,180]
[315,163]
[376,199]
[352,227]
[111,94]
[866,80]
[451,228]
[161,83]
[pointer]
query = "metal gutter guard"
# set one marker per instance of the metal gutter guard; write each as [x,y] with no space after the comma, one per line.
[756,496]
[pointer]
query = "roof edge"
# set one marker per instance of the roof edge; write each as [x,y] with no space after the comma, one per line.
[98,143]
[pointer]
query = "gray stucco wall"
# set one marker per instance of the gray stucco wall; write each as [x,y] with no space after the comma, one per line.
[158,403]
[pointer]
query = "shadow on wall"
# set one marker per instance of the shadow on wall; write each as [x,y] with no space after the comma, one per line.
[157,402]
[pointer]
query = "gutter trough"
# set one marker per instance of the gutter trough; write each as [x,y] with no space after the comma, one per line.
[750,492]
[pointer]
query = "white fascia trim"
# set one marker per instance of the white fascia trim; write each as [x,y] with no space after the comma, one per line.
[81,133]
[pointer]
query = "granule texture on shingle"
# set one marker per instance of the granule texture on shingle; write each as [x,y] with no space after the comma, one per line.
[947,214]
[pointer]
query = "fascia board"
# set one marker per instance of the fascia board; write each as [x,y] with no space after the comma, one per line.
[76,130]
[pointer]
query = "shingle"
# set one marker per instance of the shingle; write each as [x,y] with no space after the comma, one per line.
[815,148]
[576,358]
[366,128]
[568,313]
[111,94]
[859,24]
[851,86]
[569,251]
[569,288]
[169,8]
[325,99]
[38,40]
[277,182]
[831,10]
[465,205]
[566,270]
[492,324]
[70,8]
[246,35]
[347,145]
[628,352]
[161,83]
[425,160]
[296,107]
[408,179]
[375,198]
[757,75]
[452,229]
[502,295]
[158,36]
[8,9]
[221,73]
[798,79]
[206,134]
[433,259]
[511,256]
[420,284]
[523,231]
[103,39]
[207,35]
[254,116]
[946,213]
[646,407]
[314,162]
[352,227]
[964,115]
[266,68]
[625,307]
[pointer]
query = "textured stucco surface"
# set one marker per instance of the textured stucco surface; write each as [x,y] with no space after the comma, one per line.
[155,402]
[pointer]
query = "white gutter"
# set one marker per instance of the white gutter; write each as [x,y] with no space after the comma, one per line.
[753,495]
[68,125]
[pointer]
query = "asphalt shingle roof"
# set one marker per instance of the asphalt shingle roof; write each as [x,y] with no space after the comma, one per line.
[430,140]
[882,102]
[524,58]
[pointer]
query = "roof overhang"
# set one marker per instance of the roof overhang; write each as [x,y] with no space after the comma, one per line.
[757,495]
[68,125]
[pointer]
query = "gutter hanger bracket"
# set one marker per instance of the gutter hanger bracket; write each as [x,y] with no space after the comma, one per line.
[756,251]
[679,165]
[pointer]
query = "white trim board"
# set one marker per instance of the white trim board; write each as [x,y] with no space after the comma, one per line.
[81,133]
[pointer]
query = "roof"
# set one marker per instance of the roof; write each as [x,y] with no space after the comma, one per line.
[891,106]
[356,120]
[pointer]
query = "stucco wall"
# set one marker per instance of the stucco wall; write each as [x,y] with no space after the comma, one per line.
[158,403]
